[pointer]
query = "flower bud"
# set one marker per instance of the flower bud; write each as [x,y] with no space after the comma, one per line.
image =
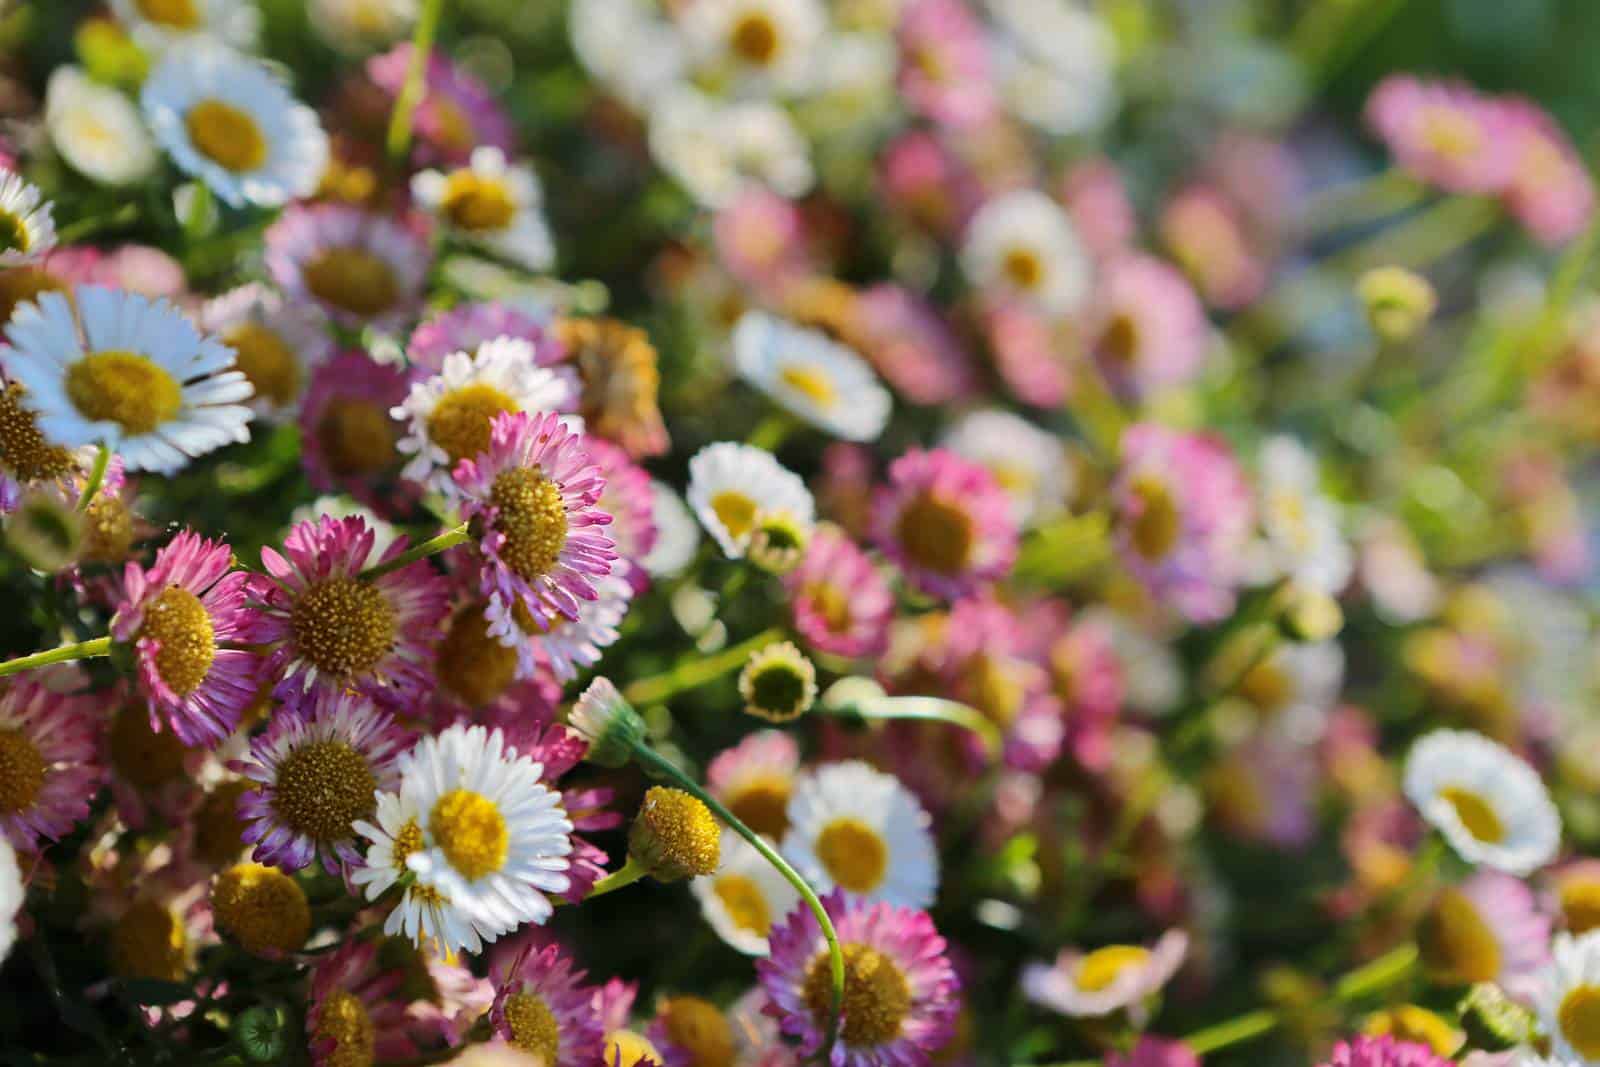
[608,722]
[778,683]
[1398,302]
[674,836]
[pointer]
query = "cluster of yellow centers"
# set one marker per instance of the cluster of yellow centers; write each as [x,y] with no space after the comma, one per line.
[1155,529]
[936,534]
[181,626]
[1477,815]
[1456,943]
[477,203]
[877,997]
[24,451]
[343,1019]
[262,355]
[533,517]
[22,771]
[1579,1019]
[149,941]
[754,38]
[261,908]
[353,280]
[322,787]
[461,421]
[534,1027]
[178,14]
[855,855]
[127,388]
[471,832]
[357,436]
[229,136]
[473,665]
[675,835]
[1102,967]
[699,1028]
[343,626]
[744,902]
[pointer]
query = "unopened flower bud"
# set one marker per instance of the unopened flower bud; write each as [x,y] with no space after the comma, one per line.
[1398,302]
[674,836]
[779,683]
[608,722]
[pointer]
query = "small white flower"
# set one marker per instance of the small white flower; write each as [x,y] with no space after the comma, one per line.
[814,377]
[714,149]
[358,26]
[1029,463]
[628,46]
[731,485]
[859,829]
[159,24]
[1056,64]
[762,43]
[745,897]
[1022,244]
[27,230]
[493,204]
[1105,980]
[677,535]
[1303,540]
[12,895]
[1490,805]
[1295,687]
[1568,998]
[229,121]
[97,130]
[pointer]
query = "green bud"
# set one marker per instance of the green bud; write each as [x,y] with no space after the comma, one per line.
[262,1033]
[1493,1021]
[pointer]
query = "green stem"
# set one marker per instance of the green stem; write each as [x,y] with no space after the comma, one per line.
[410,95]
[694,673]
[1232,1032]
[772,431]
[99,646]
[97,475]
[864,699]
[431,547]
[653,760]
[629,873]
[1381,973]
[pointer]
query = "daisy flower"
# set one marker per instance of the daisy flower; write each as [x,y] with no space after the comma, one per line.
[1487,929]
[1106,980]
[763,43]
[755,780]
[531,497]
[541,1006]
[945,65]
[731,485]
[1549,190]
[449,414]
[97,130]
[348,442]
[330,630]
[491,203]
[813,377]
[912,346]
[1575,895]
[677,535]
[1021,244]
[159,24]
[744,897]
[467,326]
[840,602]
[617,364]
[1303,540]
[457,112]
[26,455]
[354,1005]
[1029,463]
[567,646]
[1568,997]
[901,995]
[1147,328]
[114,368]
[27,230]
[13,893]
[946,522]
[1057,65]
[691,1030]
[630,499]
[275,344]
[860,830]
[1489,804]
[49,773]
[229,121]
[716,148]
[361,269]
[629,46]
[317,772]
[359,26]
[180,617]
[1443,133]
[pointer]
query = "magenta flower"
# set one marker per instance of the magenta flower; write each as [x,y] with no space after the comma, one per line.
[542,1006]
[1146,326]
[915,350]
[347,437]
[946,522]
[49,773]
[1549,189]
[356,1013]
[1383,1052]
[1443,133]
[360,269]
[840,601]
[944,63]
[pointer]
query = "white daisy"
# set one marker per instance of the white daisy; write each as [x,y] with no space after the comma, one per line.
[716,148]
[859,829]
[12,894]
[1022,244]
[1489,804]
[276,344]
[1302,541]
[358,26]
[814,377]
[629,47]
[1568,997]
[763,43]
[493,204]
[423,914]
[1295,687]
[1056,64]
[731,484]
[573,644]
[1029,463]
[158,24]
[1106,980]
[677,535]
[128,372]
[229,121]
[449,414]
[745,897]
[27,230]
[97,130]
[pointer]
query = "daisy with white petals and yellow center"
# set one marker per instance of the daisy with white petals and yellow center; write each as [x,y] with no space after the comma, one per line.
[491,203]
[859,829]
[744,897]
[771,43]
[159,24]
[1022,245]
[1568,998]
[26,229]
[731,485]
[816,378]
[1108,979]
[96,129]
[1490,805]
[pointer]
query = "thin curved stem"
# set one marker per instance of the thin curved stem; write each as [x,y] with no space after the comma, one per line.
[410,95]
[694,673]
[431,547]
[629,873]
[97,474]
[98,646]
[873,704]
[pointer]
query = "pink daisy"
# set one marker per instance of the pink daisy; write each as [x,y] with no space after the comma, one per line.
[1443,133]
[628,499]
[1184,516]
[914,349]
[840,602]
[360,269]
[457,112]
[1087,675]
[1146,326]
[922,177]
[1383,1052]
[542,1006]
[1487,929]
[946,522]
[1027,346]
[532,500]
[318,770]
[331,630]
[49,773]
[760,239]
[466,326]
[756,778]
[901,994]
[179,616]
[355,1014]
[348,440]
[1097,200]
[1549,189]
[944,63]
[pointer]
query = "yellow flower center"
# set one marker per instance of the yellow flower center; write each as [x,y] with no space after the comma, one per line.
[460,422]
[353,280]
[126,388]
[323,787]
[736,512]
[877,997]
[1120,341]
[754,38]
[533,518]
[14,235]
[533,1026]
[261,355]
[1268,686]
[476,203]
[261,908]
[218,829]
[1409,1022]
[357,436]
[937,534]
[762,803]
[228,136]
[675,835]
[696,1026]
[1023,268]
[1580,904]
[25,285]
[812,383]
[22,771]
[180,624]
[471,831]
[344,1021]
[832,603]
[855,855]
[472,665]
[1456,943]
[142,756]
[1450,133]
[107,529]
[1103,966]
[1579,1019]
[179,14]
[1156,527]
[406,842]
[996,687]
[451,124]
[343,626]
[149,941]
[1476,814]
[744,902]
[624,1048]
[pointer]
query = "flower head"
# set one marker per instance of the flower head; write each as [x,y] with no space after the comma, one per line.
[27,230]
[493,203]
[541,1006]
[778,683]
[1489,804]
[731,484]
[946,522]
[674,835]
[840,601]
[744,896]
[1487,929]
[359,269]
[275,344]
[1148,330]
[354,1007]
[755,779]
[348,442]
[1022,245]
[860,830]
[49,772]
[261,908]
[812,376]
[466,326]
[96,129]
[1442,133]
[457,113]
[1106,980]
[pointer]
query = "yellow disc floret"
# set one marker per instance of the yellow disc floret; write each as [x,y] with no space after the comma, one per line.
[470,831]
[357,436]
[877,997]
[262,355]
[354,280]
[473,665]
[855,855]
[700,1029]
[181,626]
[1100,968]
[24,451]
[344,1021]
[126,388]
[22,771]
[460,422]
[228,136]
[149,941]
[936,534]
[744,902]
[476,203]
[141,755]
[1579,1019]
[261,908]
[343,626]
[533,518]
[675,835]
[1477,815]
[322,788]
[534,1027]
